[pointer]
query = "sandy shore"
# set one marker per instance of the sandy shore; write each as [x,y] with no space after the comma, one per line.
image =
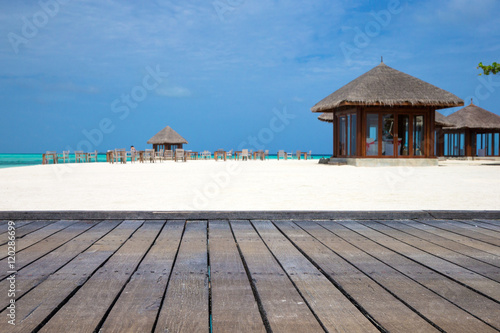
[249,185]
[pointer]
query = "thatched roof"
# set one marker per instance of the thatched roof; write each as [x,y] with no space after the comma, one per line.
[326,117]
[384,85]
[167,135]
[473,116]
[440,119]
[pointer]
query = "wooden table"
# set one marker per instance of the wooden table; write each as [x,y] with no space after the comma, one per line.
[304,154]
[258,153]
[46,156]
[192,154]
[219,153]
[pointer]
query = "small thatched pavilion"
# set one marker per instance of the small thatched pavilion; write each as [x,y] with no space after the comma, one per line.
[475,133]
[167,139]
[385,117]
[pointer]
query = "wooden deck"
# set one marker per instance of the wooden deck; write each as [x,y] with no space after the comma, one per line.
[253,276]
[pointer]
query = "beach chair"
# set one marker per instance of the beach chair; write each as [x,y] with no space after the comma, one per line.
[281,154]
[309,155]
[169,155]
[229,154]
[159,155]
[64,157]
[120,155]
[149,155]
[80,156]
[297,153]
[179,155]
[289,156]
[91,156]
[266,155]
[244,154]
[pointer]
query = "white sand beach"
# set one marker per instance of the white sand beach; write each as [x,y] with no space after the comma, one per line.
[250,185]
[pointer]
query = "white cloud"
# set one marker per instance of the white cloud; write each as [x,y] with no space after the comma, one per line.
[174,91]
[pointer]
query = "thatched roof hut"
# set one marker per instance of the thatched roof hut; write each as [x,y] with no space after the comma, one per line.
[385,114]
[166,138]
[473,116]
[386,86]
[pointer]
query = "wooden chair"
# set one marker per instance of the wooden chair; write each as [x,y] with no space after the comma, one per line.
[281,154]
[120,155]
[244,154]
[289,156]
[266,155]
[169,155]
[179,155]
[80,156]
[297,153]
[64,157]
[91,156]
[229,154]
[159,155]
[149,155]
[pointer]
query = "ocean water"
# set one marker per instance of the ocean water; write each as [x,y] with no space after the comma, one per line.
[19,160]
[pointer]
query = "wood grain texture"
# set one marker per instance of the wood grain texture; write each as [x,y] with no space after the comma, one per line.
[467,250]
[285,309]
[38,304]
[439,299]
[467,277]
[41,269]
[47,245]
[138,305]
[472,264]
[333,309]
[185,307]
[234,307]
[84,311]
[33,238]
[385,309]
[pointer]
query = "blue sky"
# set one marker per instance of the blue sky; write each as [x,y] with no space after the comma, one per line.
[104,74]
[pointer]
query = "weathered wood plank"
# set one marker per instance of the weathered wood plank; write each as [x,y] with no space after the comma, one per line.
[465,230]
[37,236]
[38,271]
[467,250]
[386,310]
[234,307]
[433,293]
[332,308]
[39,249]
[38,304]
[137,307]
[467,277]
[82,313]
[186,304]
[484,225]
[421,225]
[285,309]
[472,264]
[21,228]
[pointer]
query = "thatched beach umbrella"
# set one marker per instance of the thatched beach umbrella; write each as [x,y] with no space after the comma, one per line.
[167,139]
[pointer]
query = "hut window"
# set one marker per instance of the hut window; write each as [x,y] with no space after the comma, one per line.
[372,134]
[388,135]
[353,135]
[342,136]
[403,135]
[418,136]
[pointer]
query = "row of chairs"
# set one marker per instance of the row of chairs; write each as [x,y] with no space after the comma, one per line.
[80,156]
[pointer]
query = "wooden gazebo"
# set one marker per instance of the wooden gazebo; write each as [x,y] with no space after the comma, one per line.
[167,139]
[385,117]
[475,132]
